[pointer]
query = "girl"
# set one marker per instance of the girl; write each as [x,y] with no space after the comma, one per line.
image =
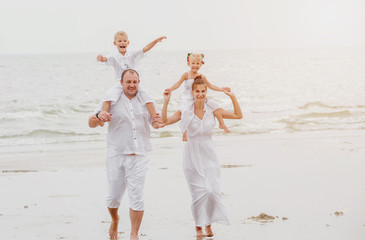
[200,163]
[195,61]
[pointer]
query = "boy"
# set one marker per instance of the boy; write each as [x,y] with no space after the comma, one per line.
[121,60]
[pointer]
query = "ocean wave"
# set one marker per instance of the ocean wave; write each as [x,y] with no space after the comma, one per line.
[338,114]
[46,133]
[322,105]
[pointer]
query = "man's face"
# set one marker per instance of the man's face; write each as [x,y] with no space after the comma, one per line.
[121,42]
[130,84]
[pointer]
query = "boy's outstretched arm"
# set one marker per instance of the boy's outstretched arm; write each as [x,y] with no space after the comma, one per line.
[152,44]
[101,58]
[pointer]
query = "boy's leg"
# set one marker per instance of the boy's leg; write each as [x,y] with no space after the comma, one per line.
[106,106]
[104,113]
[218,115]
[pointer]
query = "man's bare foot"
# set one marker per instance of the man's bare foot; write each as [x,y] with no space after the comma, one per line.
[224,127]
[134,237]
[113,230]
[208,231]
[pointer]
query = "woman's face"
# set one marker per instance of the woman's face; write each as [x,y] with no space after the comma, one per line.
[199,92]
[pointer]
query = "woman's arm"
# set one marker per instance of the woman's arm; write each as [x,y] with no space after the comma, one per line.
[237,114]
[175,117]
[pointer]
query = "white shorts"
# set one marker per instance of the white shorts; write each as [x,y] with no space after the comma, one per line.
[125,171]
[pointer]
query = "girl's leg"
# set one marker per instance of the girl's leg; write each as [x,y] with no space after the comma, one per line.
[185,137]
[218,115]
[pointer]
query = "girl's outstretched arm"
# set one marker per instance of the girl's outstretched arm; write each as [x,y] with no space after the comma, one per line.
[237,114]
[175,117]
[178,83]
[214,87]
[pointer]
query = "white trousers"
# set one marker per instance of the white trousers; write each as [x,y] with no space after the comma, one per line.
[126,172]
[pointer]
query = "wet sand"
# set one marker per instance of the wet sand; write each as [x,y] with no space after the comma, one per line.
[307,185]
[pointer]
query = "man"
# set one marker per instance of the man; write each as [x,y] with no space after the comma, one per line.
[127,146]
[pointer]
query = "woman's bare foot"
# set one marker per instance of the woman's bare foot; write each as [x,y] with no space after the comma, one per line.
[199,233]
[208,231]
[113,230]
[224,127]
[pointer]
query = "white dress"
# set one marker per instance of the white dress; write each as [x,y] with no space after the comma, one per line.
[202,168]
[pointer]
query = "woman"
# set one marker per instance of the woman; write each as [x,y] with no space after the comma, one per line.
[200,162]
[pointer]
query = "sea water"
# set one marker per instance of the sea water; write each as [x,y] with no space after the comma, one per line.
[46,99]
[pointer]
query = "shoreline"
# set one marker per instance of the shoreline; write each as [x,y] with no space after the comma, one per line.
[304,177]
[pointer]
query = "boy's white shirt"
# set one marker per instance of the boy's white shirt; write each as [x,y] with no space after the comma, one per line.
[120,63]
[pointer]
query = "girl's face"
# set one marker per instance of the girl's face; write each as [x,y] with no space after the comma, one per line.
[199,92]
[194,64]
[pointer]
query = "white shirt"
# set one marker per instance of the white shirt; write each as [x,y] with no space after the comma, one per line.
[121,63]
[129,131]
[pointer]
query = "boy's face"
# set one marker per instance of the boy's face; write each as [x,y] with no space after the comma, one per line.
[195,64]
[121,42]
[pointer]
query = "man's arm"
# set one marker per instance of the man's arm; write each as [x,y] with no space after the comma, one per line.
[152,44]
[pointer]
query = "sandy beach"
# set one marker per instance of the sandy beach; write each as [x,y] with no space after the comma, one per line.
[310,186]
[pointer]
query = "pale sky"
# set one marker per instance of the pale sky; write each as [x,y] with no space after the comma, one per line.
[46,26]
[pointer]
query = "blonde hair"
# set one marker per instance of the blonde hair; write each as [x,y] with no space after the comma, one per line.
[120,33]
[199,56]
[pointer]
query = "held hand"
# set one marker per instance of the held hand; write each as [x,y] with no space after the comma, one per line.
[105,116]
[228,89]
[96,120]
[157,121]
[229,93]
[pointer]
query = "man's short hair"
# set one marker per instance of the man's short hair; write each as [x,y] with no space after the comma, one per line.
[132,71]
